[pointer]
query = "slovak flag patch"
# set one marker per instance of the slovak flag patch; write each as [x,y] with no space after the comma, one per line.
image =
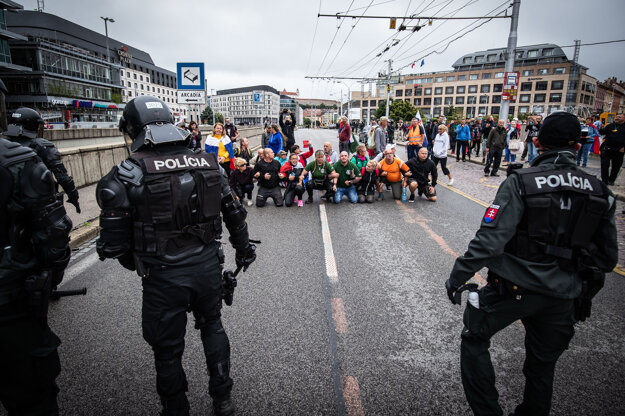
[491,213]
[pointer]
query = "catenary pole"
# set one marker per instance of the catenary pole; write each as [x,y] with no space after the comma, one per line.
[510,54]
[388,90]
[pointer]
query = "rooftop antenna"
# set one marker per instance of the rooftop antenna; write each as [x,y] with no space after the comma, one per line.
[40,5]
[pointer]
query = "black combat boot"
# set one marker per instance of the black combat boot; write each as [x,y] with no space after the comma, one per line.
[222,406]
[175,406]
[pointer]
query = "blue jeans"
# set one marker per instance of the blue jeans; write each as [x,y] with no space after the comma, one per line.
[584,151]
[412,150]
[350,191]
[531,151]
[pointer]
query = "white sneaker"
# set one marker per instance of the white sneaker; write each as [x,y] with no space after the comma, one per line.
[249,203]
[451,182]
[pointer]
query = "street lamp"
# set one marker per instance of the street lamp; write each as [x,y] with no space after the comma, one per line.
[106,31]
[349,87]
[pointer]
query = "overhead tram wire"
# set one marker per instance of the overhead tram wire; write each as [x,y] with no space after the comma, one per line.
[345,41]
[373,5]
[313,39]
[332,41]
[594,43]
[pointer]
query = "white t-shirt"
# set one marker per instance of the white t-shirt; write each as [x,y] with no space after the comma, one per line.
[441,144]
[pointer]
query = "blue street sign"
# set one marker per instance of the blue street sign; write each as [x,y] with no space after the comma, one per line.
[256,97]
[190,75]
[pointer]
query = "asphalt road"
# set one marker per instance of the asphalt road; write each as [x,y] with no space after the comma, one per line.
[375,336]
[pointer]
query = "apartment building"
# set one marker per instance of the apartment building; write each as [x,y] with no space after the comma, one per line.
[253,105]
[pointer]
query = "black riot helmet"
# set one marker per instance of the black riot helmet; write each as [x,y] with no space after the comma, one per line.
[23,122]
[148,120]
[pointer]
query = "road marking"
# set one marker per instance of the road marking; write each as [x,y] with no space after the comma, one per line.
[330,260]
[351,394]
[477,201]
[482,180]
[619,269]
[338,313]
[79,268]
[413,217]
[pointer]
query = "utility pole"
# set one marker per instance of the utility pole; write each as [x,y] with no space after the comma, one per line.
[388,88]
[106,31]
[512,40]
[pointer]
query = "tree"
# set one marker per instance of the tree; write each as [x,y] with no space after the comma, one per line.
[219,118]
[400,109]
[307,122]
[207,115]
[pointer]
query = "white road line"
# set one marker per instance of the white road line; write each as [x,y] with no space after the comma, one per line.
[79,268]
[331,270]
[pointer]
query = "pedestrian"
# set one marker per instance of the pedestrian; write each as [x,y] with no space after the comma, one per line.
[348,176]
[276,140]
[259,156]
[242,180]
[345,134]
[487,126]
[463,139]
[221,146]
[421,170]
[368,182]
[281,157]
[360,158]
[231,130]
[267,171]
[416,138]
[243,151]
[264,140]
[321,176]
[195,142]
[303,159]
[532,128]
[514,144]
[390,131]
[287,124]
[331,156]
[439,151]
[400,130]
[34,251]
[476,137]
[494,146]
[24,125]
[169,233]
[452,134]
[381,136]
[612,149]
[391,171]
[589,132]
[371,138]
[545,259]
[292,170]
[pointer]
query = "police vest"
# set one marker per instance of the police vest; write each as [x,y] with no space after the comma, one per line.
[563,209]
[415,138]
[177,206]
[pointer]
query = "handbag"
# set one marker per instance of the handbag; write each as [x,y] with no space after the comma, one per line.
[514,145]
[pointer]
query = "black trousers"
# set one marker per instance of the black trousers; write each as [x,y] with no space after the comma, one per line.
[461,149]
[29,364]
[291,192]
[613,157]
[494,158]
[168,294]
[243,190]
[548,326]
[475,144]
[343,146]
[265,193]
[325,185]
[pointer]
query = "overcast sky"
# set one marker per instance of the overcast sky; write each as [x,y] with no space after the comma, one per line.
[250,42]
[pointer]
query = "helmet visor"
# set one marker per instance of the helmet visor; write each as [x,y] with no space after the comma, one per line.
[159,133]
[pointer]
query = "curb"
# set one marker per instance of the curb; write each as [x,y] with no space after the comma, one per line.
[81,235]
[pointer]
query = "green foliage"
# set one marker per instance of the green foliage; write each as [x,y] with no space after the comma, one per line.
[400,109]
[452,112]
[219,118]
[307,122]
[116,97]
[207,115]
[523,116]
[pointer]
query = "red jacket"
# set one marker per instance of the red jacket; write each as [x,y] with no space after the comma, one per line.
[346,132]
[304,156]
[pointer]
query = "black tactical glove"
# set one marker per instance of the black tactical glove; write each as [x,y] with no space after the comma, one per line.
[451,291]
[582,309]
[73,199]
[245,256]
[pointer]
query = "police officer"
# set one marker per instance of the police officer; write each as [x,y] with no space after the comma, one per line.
[34,251]
[161,217]
[548,235]
[23,128]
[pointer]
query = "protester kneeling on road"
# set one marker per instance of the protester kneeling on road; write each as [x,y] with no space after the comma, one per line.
[421,169]
[322,174]
[391,169]
[368,182]
[348,175]
[267,171]
[242,180]
[292,171]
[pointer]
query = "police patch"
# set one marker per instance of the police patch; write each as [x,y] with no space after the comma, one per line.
[180,162]
[491,213]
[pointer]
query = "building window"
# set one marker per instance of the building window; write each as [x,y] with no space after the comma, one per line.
[459,100]
[487,75]
[479,59]
[449,100]
[483,99]
[526,86]
[528,72]
[438,100]
[408,92]
[427,80]
[153,89]
[533,53]
[437,111]
[467,60]
[541,86]
[427,101]
[418,91]
[449,90]
[450,78]
[439,79]
[438,90]
[417,101]
[473,77]
[498,88]
[462,77]
[499,74]
[548,52]
[557,85]
[543,71]
[496,99]
[539,98]
[427,91]
[471,99]
[483,110]
[472,89]
[485,88]
[524,98]
[399,93]
[140,77]
[556,97]
[524,109]
[559,70]
[491,58]
[470,112]
[461,89]
[135,75]
[122,82]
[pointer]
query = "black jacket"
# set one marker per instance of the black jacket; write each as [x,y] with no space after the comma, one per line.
[366,186]
[613,139]
[288,128]
[421,170]
[273,168]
